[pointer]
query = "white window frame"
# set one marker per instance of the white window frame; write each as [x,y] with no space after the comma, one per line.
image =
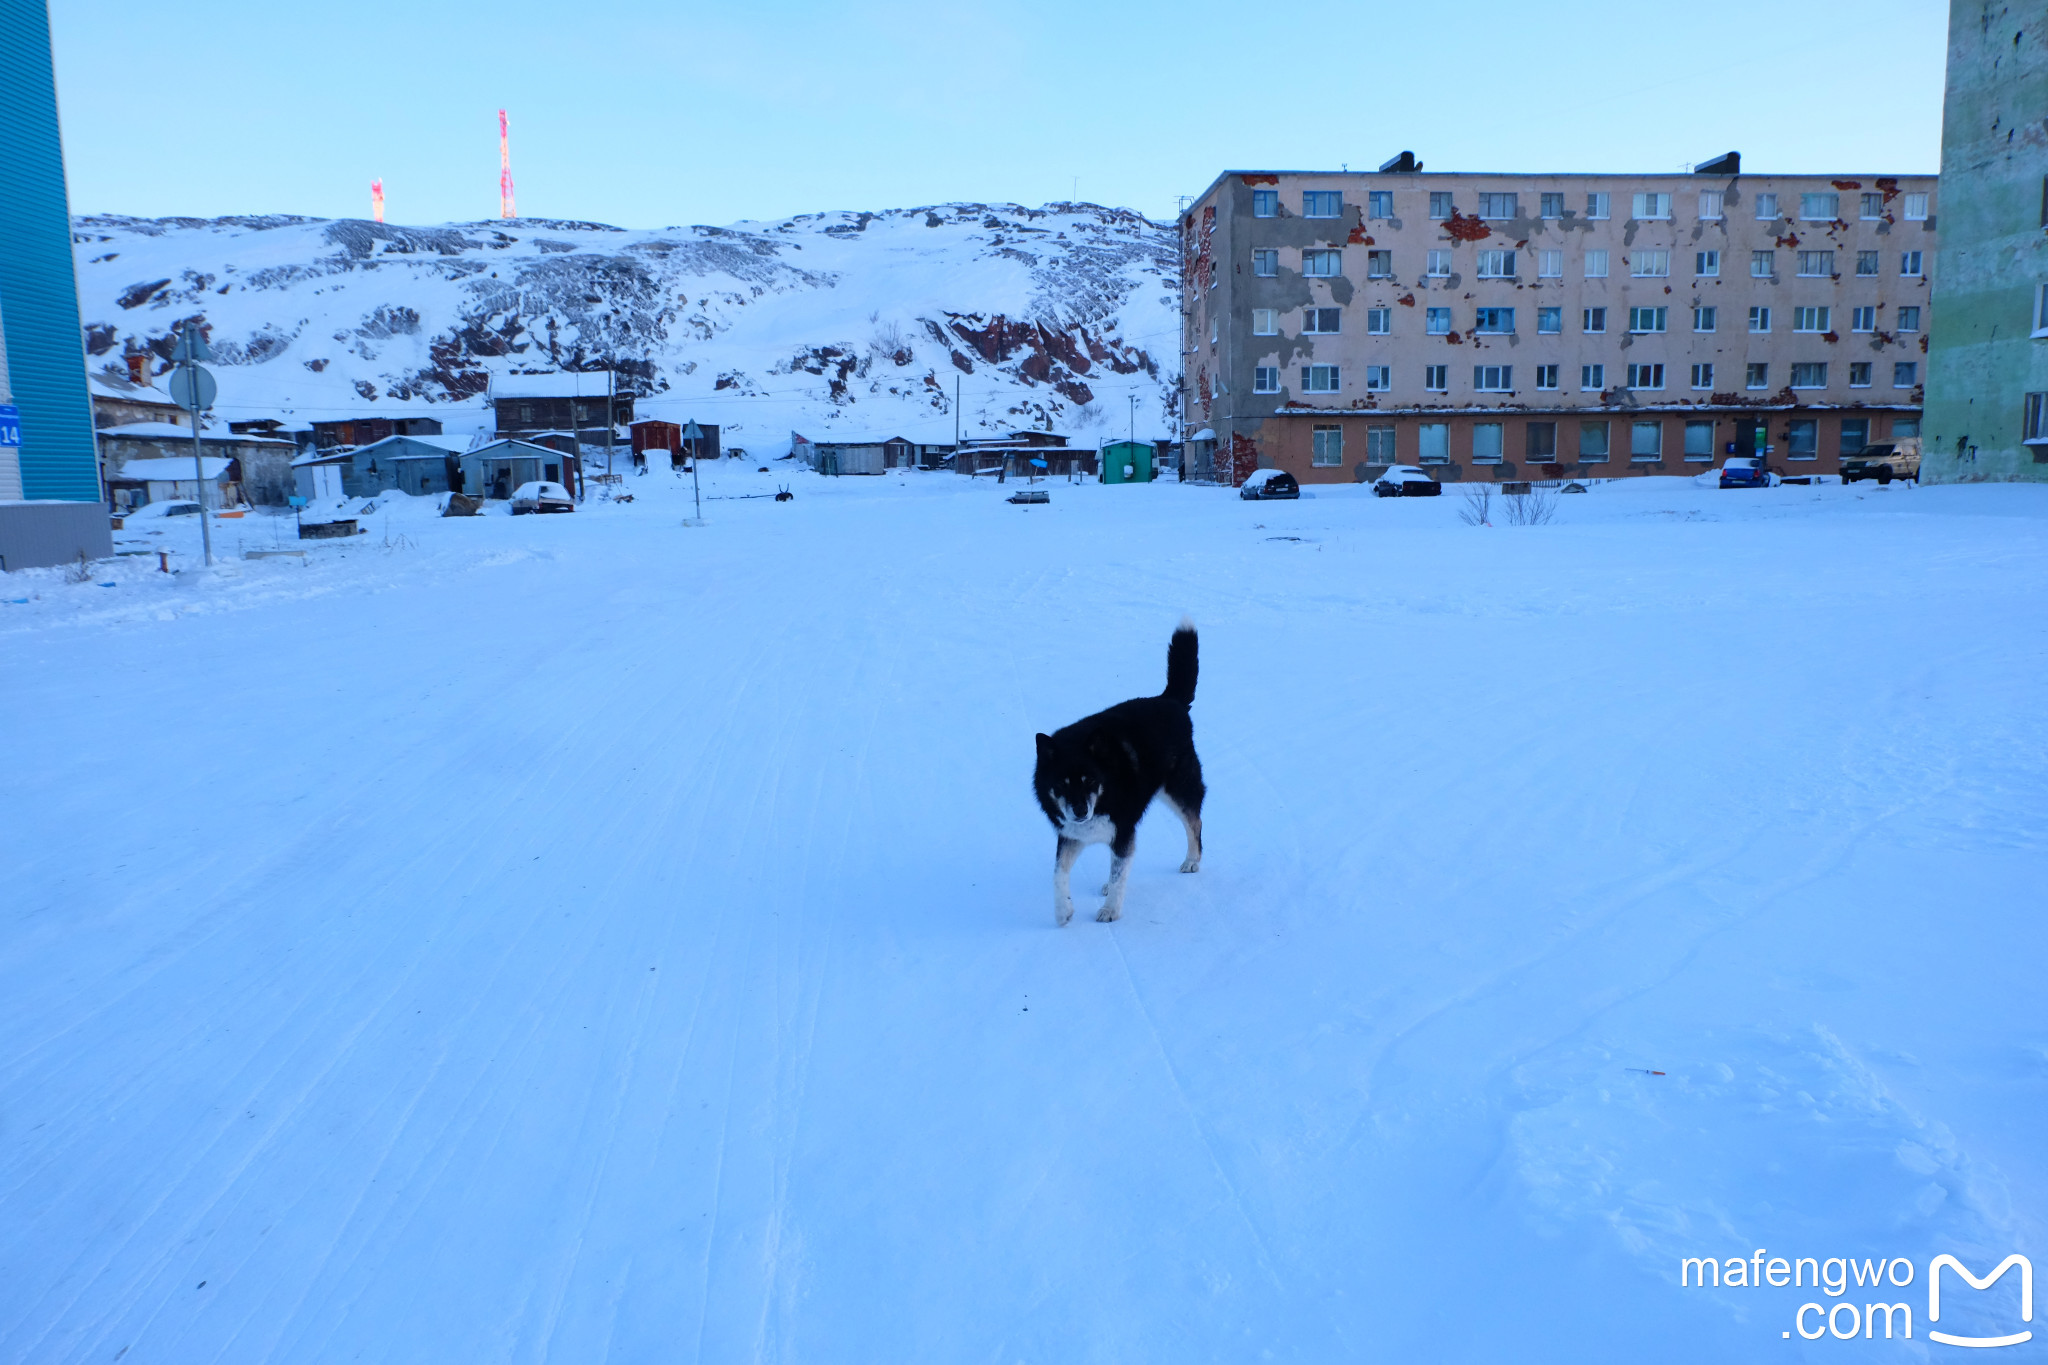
[1441,199]
[1863,318]
[1703,376]
[1589,316]
[1379,378]
[1595,264]
[1502,379]
[1805,316]
[1322,197]
[1592,378]
[1487,212]
[1912,266]
[1265,379]
[1506,315]
[1596,205]
[1309,376]
[1265,322]
[1655,454]
[1312,319]
[1914,209]
[1649,264]
[1706,265]
[1381,444]
[1266,197]
[1550,264]
[1266,256]
[1546,377]
[1829,199]
[1550,206]
[1763,265]
[1432,316]
[1436,378]
[1707,313]
[1379,204]
[1497,263]
[1436,434]
[1810,366]
[1439,264]
[1606,450]
[1792,451]
[1823,261]
[1873,259]
[1908,325]
[1766,208]
[1756,374]
[2040,311]
[1497,439]
[1645,375]
[1759,319]
[1379,321]
[1318,256]
[1864,366]
[1657,315]
[1555,316]
[1712,206]
[1321,439]
[1865,211]
[1652,206]
[1912,365]
[1379,264]
[1698,457]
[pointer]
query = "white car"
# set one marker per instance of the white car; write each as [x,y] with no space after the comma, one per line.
[541,496]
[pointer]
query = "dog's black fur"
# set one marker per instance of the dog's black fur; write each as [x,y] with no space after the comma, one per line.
[1096,777]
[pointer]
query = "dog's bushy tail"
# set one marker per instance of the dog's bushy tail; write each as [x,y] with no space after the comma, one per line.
[1181,664]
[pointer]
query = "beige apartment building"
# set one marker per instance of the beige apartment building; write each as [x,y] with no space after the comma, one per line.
[1518,326]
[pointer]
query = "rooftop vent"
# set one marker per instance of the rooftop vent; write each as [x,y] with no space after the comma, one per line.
[1403,164]
[1727,164]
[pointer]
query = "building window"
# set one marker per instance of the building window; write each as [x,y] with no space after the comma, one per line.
[1802,438]
[1379,445]
[1379,321]
[1766,207]
[1699,442]
[1324,264]
[1265,203]
[1759,319]
[1319,379]
[1915,207]
[1710,204]
[1265,322]
[1855,435]
[2041,310]
[1549,321]
[1645,264]
[1380,203]
[1863,319]
[1909,319]
[1809,374]
[1321,321]
[1646,376]
[1866,263]
[1496,265]
[1486,443]
[1653,206]
[1439,264]
[1539,441]
[1905,374]
[1214,325]
[1553,206]
[1493,378]
[1646,441]
[1595,320]
[1496,321]
[1909,263]
[2033,421]
[1596,206]
[1646,319]
[1596,265]
[1550,265]
[1546,376]
[1379,265]
[1592,378]
[1327,448]
[1859,374]
[1706,263]
[1433,443]
[1322,204]
[1817,264]
[1379,378]
[1593,442]
[1809,318]
[1266,379]
[1757,375]
[1820,208]
[1439,205]
[1500,206]
[1873,206]
[1437,321]
[1904,427]
[1436,378]
[1703,319]
[1703,375]
[1763,265]
[1266,262]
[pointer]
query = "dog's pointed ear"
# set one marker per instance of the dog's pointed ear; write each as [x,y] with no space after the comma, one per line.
[1044,743]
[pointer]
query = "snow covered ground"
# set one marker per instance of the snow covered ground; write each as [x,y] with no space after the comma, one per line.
[586,937]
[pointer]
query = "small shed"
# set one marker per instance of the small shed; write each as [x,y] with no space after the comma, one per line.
[173,477]
[651,434]
[494,470]
[408,464]
[1127,462]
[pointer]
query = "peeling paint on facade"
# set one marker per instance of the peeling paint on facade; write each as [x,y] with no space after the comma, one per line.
[1503,327]
[1987,384]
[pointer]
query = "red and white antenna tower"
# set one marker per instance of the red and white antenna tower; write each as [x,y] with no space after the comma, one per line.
[505,209]
[377,200]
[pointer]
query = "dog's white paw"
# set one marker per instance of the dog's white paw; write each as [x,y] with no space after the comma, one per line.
[1061,914]
[1192,865]
[1109,915]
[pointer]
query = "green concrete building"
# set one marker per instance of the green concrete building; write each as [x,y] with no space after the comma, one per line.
[1118,456]
[1987,357]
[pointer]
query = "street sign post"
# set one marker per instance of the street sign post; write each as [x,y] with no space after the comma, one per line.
[194,389]
[693,437]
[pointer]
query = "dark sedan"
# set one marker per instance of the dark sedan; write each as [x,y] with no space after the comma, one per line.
[1269,483]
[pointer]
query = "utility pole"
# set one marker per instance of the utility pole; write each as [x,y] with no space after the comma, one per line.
[611,393]
[693,437]
[194,389]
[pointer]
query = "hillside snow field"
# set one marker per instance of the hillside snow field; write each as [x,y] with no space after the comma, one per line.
[593,938]
[839,325]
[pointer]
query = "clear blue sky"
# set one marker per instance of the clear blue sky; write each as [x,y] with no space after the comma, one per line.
[645,114]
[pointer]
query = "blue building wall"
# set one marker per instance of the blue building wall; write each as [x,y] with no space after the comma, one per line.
[38,278]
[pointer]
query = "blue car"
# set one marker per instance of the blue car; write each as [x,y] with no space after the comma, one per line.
[1744,471]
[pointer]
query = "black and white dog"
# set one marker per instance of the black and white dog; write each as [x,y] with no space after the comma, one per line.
[1096,777]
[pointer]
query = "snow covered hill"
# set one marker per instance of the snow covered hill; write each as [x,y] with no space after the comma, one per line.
[834,324]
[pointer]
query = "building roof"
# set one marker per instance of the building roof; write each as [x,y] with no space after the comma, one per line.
[102,387]
[452,445]
[170,469]
[160,431]
[513,449]
[562,384]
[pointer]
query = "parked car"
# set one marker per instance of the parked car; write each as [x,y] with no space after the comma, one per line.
[1744,471]
[1885,461]
[1406,481]
[541,496]
[1269,483]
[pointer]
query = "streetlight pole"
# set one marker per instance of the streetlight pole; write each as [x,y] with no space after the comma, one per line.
[693,437]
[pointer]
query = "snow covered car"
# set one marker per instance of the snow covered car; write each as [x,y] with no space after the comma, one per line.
[1744,471]
[1406,481]
[1269,483]
[1885,461]
[541,497]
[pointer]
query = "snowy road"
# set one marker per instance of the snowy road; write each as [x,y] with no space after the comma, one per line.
[585,938]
